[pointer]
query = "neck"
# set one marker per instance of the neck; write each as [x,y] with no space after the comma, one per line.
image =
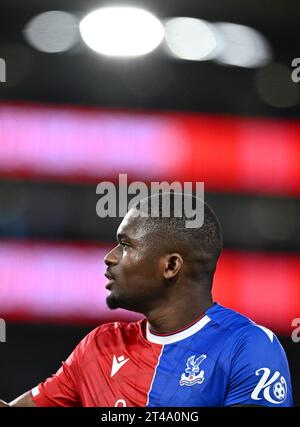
[172,316]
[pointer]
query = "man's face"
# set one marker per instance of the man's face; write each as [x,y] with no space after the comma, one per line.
[134,268]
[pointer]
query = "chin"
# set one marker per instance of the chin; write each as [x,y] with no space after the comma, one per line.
[112,302]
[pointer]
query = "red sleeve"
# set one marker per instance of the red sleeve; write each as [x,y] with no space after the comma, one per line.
[61,389]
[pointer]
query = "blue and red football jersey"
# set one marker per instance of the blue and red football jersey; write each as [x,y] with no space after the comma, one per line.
[222,359]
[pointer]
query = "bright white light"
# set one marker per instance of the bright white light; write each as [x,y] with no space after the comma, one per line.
[121,31]
[52,32]
[241,45]
[190,38]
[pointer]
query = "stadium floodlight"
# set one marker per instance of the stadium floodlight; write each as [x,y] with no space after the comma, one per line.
[191,39]
[121,31]
[52,32]
[242,46]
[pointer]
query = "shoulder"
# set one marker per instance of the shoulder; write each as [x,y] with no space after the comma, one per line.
[253,361]
[227,319]
[259,345]
[105,333]
[242,333]
[237,324]
[257,369]
[256,338]
[254,333]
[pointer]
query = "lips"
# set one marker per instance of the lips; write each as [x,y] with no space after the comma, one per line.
[110,278]
[108,275]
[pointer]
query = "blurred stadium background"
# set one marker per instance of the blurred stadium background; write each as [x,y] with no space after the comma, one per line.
[213,102]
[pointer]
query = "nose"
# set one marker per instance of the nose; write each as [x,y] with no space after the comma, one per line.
[111,258]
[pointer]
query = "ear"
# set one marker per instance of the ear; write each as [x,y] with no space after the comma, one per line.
[173,264]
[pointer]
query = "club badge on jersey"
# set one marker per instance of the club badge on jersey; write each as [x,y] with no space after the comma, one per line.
[192,369]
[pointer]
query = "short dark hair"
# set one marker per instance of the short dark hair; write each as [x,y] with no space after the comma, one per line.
[170,233]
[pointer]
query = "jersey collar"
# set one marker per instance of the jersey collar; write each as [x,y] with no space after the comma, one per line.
[172,338]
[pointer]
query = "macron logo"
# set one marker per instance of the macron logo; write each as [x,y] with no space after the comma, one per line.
[117,364]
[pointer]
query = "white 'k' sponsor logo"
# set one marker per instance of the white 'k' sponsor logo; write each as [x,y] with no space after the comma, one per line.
[272,388]
[117,364]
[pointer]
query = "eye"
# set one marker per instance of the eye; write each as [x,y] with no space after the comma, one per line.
[125,245]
